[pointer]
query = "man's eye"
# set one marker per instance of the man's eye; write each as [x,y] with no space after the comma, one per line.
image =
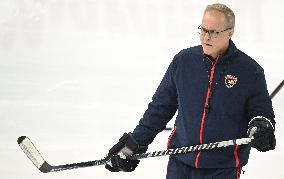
[214,33]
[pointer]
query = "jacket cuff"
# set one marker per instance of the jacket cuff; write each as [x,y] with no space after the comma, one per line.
[262,118]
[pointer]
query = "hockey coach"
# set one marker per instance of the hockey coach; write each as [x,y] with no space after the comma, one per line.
[219,93]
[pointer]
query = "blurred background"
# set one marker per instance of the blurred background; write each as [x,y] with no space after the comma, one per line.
[76,74]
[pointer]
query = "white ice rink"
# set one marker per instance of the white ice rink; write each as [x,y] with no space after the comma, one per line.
[76,74]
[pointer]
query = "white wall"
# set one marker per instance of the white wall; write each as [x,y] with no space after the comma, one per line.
[76,74]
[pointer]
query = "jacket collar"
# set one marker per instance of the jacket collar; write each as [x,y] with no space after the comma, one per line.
[231,50]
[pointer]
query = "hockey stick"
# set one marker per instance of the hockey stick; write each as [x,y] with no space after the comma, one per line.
[33,154]
[277,89]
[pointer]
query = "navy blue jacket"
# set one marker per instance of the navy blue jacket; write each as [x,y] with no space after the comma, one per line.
[237,94]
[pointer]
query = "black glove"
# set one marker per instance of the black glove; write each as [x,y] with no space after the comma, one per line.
[263,136]
[118,156]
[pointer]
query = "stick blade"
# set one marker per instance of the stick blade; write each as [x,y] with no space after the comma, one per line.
[33,154]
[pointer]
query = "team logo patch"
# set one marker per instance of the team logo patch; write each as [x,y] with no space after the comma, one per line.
[230,81]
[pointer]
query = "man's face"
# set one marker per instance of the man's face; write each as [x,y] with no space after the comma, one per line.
[213,21]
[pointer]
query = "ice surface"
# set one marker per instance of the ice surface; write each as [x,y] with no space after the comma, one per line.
[76,74]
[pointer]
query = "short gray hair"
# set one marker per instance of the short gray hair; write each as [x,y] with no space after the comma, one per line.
[229,14]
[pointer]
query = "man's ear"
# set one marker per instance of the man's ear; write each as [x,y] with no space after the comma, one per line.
[231,33]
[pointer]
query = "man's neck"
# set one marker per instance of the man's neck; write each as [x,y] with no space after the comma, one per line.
[212,59]
[216,56]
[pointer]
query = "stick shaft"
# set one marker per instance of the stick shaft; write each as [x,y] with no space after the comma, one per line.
[277,89]
[194,148]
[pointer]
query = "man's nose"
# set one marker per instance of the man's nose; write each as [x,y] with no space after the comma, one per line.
[207,36]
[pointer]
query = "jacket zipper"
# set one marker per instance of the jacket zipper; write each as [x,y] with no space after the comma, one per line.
[206,107]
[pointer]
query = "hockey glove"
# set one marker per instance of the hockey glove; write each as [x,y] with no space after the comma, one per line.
[263,136]
[118,156]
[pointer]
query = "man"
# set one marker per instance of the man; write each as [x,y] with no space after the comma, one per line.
[220,94]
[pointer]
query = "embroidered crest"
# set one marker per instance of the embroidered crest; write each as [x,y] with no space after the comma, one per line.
[230,81]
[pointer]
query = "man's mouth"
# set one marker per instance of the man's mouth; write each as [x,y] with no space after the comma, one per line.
[209,45]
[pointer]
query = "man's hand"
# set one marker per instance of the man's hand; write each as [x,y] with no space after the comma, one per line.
[118,156]
[262,132]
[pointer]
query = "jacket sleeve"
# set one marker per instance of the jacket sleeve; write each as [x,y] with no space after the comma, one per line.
[259,103]
[160,110]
